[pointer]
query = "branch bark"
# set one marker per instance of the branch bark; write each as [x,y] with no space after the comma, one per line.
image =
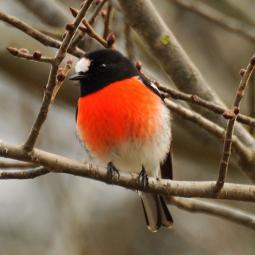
[59,164]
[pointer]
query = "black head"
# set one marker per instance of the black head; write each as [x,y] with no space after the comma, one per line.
[100,68]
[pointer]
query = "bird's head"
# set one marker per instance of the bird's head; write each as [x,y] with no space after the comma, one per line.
[100,68]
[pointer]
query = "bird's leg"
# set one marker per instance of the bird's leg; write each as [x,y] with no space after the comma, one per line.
[111,171]
[143,178]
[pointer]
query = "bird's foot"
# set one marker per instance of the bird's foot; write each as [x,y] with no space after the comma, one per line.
[143,178]
[112,171]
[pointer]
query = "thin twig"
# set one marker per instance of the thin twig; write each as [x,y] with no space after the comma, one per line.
[89,29]
[24,53]
[225,212]
[232,115]
[51,84]
[61,164]
[61,76]
[218,18]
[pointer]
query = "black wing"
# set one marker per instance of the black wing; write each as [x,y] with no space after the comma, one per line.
[166,167]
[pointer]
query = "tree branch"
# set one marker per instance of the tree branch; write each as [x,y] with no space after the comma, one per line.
[225,212]
[23,174]
[218,18]
[24,53]
[59,164]
[194,99]
[232,116]
[37,35]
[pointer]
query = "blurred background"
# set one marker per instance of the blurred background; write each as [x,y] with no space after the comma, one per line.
[63,214]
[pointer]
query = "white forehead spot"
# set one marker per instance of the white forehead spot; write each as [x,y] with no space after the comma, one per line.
[82,65]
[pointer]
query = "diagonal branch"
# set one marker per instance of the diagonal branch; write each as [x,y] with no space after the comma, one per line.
[36,34]
[225,212]
[51,84]
[218,18]
[50,12]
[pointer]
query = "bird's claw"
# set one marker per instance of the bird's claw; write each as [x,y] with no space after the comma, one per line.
[112,171]
[143,178]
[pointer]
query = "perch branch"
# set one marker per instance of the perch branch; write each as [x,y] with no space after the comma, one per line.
[60,164]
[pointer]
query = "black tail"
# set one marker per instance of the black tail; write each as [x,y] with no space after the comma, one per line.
[156,211]
[154,206]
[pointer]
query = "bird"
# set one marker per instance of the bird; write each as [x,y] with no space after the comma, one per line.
[124,124]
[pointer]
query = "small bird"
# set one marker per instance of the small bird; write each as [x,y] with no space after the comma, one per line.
[124,124]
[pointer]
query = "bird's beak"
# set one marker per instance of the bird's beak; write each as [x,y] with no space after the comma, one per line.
[77,76]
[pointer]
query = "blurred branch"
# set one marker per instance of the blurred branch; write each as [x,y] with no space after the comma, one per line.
[36,34]
[143,17]
[232,116]
[107,21]
[48,11]
[24,53]
[225,212]
[218,18]
[60,164]
[97,12]
[52,80]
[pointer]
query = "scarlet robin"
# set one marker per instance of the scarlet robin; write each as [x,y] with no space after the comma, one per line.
[124,124]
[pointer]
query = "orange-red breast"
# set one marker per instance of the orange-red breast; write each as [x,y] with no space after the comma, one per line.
[124,123]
